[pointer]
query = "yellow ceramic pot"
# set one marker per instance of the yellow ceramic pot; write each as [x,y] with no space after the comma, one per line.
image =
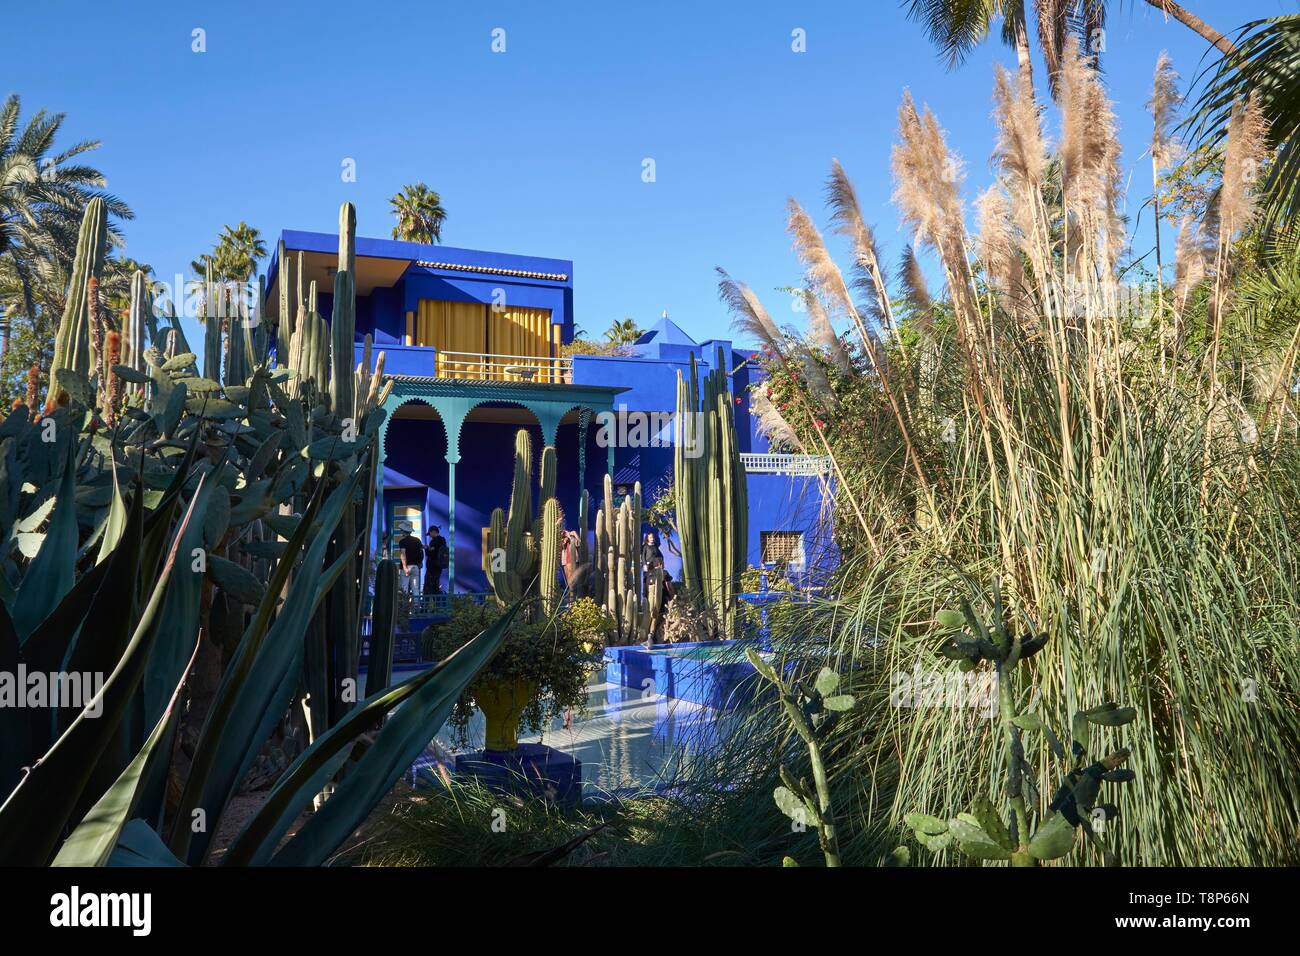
[503,703]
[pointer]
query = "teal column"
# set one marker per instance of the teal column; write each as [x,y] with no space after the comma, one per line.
[451,523]
[584,419]
[452,411]
[382,524]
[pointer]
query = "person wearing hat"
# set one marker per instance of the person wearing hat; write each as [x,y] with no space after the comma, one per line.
[411,554]
[436,549]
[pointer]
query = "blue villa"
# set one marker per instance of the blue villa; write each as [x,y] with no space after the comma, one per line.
[474,346]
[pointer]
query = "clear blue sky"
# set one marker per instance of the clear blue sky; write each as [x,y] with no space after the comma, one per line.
[537,150]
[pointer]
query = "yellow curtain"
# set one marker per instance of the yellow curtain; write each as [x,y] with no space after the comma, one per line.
[453,327]
[522,333]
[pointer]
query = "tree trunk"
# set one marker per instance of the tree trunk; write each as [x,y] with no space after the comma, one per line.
[1192,21]
[1022,52]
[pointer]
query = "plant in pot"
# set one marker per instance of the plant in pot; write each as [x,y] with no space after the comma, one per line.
[540,671]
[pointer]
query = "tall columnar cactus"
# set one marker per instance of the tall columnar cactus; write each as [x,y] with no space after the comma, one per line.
[214,314]
[711,500]
[73,359]
[616,582]
[523,553]
[548,548]
[136,323]
[343,325]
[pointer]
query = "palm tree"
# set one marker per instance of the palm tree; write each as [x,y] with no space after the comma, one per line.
[1267,65]
[623,333]
[956,27]
[42,198]
[235,256]
[115,285]
[419,213]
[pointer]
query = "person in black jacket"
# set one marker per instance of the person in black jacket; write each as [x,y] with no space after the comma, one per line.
[651,557]
[436,550]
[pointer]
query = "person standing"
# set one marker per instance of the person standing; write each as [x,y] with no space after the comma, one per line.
[436,551]
[411,554]
[651,557]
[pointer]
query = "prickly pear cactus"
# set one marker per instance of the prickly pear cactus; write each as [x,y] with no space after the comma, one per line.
[1026,833]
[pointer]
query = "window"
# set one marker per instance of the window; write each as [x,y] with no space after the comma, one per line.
[782,548]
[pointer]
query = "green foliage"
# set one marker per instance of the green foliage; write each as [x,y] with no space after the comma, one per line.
[1028,835]
[811,707]
[550,652]
[144,516]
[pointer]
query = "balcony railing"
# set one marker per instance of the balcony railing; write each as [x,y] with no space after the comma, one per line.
[504,368]
[775,464]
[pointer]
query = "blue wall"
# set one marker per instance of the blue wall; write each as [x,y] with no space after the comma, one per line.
[416,447]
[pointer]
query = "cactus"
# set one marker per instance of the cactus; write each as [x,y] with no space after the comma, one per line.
[72,364]
[1026,837]
[615,569]
[549,555]
[810,710]
[137,320]
[711,501]
[379,673]
[523,552]
[343,324]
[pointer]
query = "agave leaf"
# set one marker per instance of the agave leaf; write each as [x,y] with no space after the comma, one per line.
[403,737]
[91,843]
[256,688]
[116,522]
[52,572]
[33,817]
[140,845]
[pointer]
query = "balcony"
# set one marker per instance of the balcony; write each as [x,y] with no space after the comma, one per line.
[428,362]
[806,466]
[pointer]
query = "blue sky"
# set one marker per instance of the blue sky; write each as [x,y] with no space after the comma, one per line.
[537,150]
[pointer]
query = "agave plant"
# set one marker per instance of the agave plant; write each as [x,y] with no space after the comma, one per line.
[156,519]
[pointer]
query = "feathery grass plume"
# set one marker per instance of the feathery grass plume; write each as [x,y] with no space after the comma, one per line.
[1243,159]
[915,290]
[748,313]
[827,279]
[996,246]
[822,332]
[1090,163]
[928,182]
[1020,155]
[847,220]
[1165,101]
[769,421]
[1189,262]
[1166,150]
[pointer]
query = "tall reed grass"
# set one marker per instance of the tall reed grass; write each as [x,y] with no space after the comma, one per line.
[1121,459]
